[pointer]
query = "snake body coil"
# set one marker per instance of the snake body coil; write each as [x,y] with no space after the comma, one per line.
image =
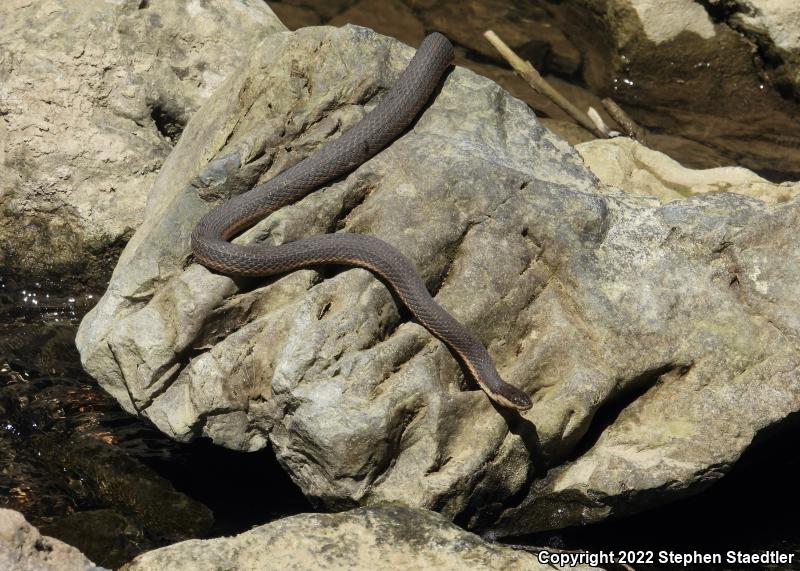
[210,238]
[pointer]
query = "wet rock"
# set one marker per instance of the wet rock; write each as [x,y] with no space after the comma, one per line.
[23,548]
[72,460]
[657,340]
[384,537]
[679,70]
[626,164]
[773,26]
[672,43]
[94,95]
[112,478]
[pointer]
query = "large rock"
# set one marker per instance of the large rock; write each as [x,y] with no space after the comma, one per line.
[23,548]
[680,319]
[386,537]
[93,95]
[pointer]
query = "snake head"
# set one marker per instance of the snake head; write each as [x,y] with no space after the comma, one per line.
[498,390]
[511,397]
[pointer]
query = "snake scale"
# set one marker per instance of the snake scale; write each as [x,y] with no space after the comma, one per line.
[400,106]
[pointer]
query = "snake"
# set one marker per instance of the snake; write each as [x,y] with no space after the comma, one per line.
[397,109]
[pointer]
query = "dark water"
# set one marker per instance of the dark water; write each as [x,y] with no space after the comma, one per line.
[87,472]
[755,508]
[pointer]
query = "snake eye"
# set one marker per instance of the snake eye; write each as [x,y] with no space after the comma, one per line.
[523,401]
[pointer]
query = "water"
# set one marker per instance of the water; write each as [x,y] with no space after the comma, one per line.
[85,471]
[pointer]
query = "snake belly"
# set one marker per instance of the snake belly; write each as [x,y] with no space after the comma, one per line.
[400,106]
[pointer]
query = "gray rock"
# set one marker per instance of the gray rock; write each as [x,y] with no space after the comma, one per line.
[385,537]
[23,548]
[683,315]
[705,290]
[93,95]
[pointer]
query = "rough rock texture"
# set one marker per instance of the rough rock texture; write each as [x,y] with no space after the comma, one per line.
[93,95]
[681,318]
[23,548]
[330,362]
[385,537]
[628,165]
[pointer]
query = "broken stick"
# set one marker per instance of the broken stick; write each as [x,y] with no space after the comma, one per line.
[624,120]
[535,80]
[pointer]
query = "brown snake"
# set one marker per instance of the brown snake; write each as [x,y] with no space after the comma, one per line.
[400,106]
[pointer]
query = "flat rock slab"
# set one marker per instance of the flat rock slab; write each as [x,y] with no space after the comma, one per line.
[93,95]
[629,165]
[681,319]
[386,537]
[23,548]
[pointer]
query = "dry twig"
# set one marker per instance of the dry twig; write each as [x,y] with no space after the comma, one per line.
[624,120]
[535,80]
[597,120]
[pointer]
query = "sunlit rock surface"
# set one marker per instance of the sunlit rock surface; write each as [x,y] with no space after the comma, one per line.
[93,95]
[385,537]
[631,166]
[677,322]
[23,548]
